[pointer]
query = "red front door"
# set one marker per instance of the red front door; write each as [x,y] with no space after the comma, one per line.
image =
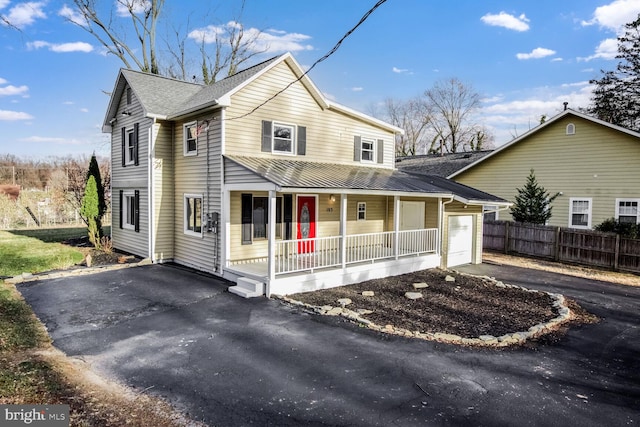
[306,223]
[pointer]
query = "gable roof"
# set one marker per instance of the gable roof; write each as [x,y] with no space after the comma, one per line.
[170,99]
[440,165]
[330,177]
[567,112]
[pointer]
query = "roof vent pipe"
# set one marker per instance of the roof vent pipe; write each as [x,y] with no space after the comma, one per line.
[565,103]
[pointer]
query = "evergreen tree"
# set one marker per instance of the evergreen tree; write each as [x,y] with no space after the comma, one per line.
[533,203]
[616,97]
[94,171]
[91,211]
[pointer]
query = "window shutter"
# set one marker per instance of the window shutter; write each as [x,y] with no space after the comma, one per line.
[247,214]
[121,209]
[266,136]
[123,145]
[288,216]
[380,151]
[357,146]
[302,140]
[136,202]
[135,143]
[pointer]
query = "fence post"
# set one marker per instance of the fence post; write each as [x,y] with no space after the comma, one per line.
[616,254]
[556,246]
[506,237]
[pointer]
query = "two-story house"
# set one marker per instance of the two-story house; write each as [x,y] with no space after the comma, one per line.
[260,179]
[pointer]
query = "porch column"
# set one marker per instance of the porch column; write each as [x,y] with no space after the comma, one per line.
[343,230]
[396,226]
[271,242]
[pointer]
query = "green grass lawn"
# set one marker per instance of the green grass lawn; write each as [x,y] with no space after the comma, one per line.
[21,254]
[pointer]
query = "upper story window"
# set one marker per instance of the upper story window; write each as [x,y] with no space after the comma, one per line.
[571,129]
[283,138]
[129,142]
[368,150]
[580,213]
[190,139]
[128,96]
[627,210]
[130,147]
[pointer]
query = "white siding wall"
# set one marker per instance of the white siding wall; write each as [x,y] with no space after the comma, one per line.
[130,178]
[163,198]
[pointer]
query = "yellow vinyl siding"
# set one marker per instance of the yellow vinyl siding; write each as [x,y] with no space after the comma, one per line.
[328,132]
[596,162]
[163,196]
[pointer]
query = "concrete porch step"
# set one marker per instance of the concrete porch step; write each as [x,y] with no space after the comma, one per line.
[247,288]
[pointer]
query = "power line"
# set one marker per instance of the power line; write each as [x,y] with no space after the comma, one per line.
[326,56]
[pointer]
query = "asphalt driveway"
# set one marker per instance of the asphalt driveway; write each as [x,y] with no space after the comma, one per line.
[229,361]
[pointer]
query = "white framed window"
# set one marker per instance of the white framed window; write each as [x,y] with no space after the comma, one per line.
[627,210]
[193,214]
[130,147]
[283,137]
[129,210]
[571,129]
[362,211]
[490,213]
[367,150]
[190,139]
[580,212]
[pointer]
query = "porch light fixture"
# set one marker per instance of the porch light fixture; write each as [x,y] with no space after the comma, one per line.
[332,198]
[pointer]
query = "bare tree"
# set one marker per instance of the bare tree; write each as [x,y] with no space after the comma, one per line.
[454,105]
[413,116]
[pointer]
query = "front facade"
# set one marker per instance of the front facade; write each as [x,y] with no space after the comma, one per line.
[259,179]
[593,165]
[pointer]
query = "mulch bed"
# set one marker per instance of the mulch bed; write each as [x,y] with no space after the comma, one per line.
[469,307]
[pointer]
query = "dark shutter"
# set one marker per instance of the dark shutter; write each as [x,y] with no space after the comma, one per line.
[266,136]
[357,147]
[123,145]
[135,143]
[302,140]
[122,213]
[136,203]
[288,216]
[380,151]
[247,216]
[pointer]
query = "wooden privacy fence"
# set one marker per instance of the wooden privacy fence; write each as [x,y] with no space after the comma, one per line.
[561,244]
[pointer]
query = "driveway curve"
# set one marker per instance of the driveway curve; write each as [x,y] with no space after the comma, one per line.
[228,361]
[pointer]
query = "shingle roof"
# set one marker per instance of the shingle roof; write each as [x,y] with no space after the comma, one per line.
[435,164]
[301,174]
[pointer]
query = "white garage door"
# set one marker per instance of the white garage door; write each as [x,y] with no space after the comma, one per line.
[460,240]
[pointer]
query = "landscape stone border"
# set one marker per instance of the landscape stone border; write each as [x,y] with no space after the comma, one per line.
[83,271]
[516,338]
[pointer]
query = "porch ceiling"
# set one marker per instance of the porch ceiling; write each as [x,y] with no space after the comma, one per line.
[289,173]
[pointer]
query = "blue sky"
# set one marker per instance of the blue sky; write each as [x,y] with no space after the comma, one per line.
[524,58]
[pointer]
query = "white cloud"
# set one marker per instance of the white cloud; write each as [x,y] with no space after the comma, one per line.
[399,70]
[72,15]
[615,15]
[7,115]
[24,14]
[557,60]
[505,20]
[4,3]
[357,89]
[273,41]
[51,139]
[607,49]
[2,81]
[84,110]
[137,6]
[13,90]
[61,47]
[537,53]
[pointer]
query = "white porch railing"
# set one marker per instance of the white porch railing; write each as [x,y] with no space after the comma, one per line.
[323,252]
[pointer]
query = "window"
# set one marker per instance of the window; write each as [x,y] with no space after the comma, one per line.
[191,139]
[490,213]
[362,211]
[130,210]
[580,213]
[255,218]
[282,138]
[128,96]
[367,150]
[193,214]
[627,210]
[571,129]
[129,141]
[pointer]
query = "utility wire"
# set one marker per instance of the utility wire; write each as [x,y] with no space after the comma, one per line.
[326,56]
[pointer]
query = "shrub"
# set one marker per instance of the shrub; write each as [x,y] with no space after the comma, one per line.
[624,229]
